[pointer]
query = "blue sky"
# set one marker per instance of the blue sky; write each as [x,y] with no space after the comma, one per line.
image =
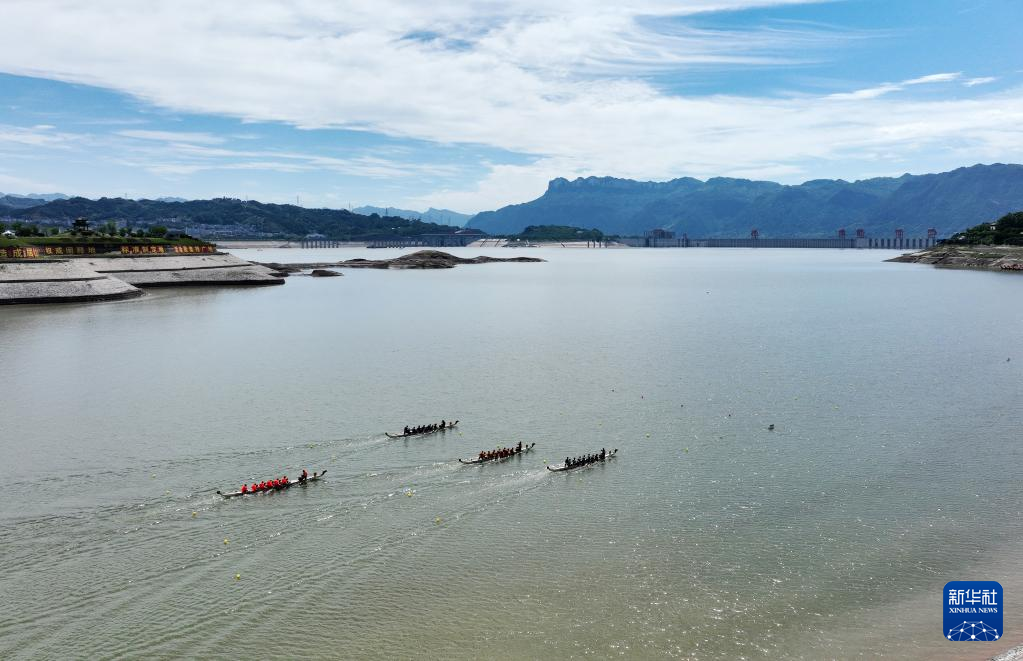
[471,106]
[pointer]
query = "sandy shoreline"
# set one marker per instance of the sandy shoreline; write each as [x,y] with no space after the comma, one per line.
[1014,654]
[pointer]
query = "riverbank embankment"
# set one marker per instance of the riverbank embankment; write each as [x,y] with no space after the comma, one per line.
[983,258]
[112,277]
[183,270]
[58,281]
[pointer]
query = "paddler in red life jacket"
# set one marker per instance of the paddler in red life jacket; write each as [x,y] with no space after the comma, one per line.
[304,476]
[245,488]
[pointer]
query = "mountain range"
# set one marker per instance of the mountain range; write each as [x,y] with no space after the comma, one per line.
[431,215]
[950,202]
[13,201]
[224,217]
[725,207]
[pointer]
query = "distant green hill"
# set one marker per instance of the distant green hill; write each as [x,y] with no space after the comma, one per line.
[723,207]
[1006,231]
[558,233]
[224,216]
[11,202]
[431,215]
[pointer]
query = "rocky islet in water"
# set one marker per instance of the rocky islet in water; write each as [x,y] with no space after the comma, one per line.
[421,259]
[974,257]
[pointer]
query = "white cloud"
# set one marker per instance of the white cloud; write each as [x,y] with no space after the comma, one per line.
[885,88]
[971,82]
[24,185]
[933,78]
[173,136]
[178,158]
[37,136]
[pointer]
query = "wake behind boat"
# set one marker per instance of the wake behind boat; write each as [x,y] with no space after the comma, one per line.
[277,487]
[424,430]
[579,462]
[498,455]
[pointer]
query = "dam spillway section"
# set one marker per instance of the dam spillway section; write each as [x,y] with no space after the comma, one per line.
[668,239]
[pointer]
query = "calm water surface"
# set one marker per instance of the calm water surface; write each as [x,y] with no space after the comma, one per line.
[893,468]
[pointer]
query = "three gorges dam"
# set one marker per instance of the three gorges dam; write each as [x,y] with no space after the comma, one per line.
[660,238]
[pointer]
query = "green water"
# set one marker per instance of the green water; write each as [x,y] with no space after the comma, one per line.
[892,468]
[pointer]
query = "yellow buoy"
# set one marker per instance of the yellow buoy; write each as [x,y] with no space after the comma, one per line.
[437,520]
[237,577]
[195,514]
[225,541]
[648,435]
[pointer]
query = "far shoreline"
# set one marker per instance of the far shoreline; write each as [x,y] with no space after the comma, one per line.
[1001,258]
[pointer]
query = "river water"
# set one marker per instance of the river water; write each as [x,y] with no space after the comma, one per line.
[893,467]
